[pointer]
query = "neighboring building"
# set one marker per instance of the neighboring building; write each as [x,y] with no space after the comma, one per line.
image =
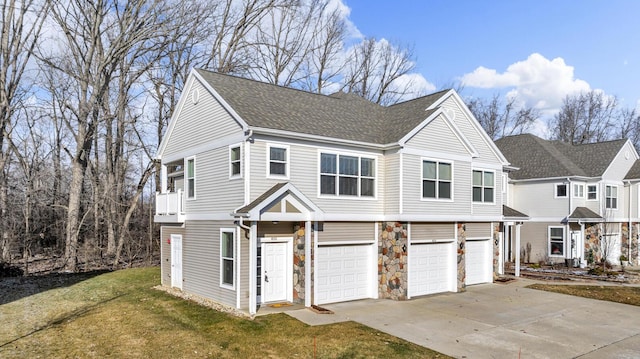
[581,199]
[273,194]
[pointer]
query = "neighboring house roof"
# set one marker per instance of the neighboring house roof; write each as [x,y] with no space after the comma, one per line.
[634,172]
[341,115]
[539,158]
[584,213]
[509,212]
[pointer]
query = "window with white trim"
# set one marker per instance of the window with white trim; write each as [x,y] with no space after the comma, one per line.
[556,241]
[592,192]
[347,175]
[191,177]
[437,179]
[611,197]
[483,186]
[561,190]
[278,165]
[578,190]
[235,164]
[227,257]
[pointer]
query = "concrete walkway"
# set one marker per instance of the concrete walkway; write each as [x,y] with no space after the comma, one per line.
[500,321]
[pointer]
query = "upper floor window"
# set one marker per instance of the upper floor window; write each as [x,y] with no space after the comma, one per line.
[278,161]
[561,190]
[234,161]
[347,175]
[578,190]
[611,197]
[227,257]
[191,177]
[483,186]
[592,192]
[437,179]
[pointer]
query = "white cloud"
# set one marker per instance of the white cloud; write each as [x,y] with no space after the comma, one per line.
[537,81]
[418,85]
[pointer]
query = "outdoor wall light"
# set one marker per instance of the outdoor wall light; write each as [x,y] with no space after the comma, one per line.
[404,247]
[275,222]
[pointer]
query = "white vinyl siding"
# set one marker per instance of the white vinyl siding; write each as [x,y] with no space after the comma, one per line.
[201,261]
[392,188]
[347,232]
[478,230]
[438,136]
[528,196]
[433,231]
[195,128]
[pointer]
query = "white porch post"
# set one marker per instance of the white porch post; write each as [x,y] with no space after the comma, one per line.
[253,268]
[517,249]
[501,250]
[307,261]
[163,179]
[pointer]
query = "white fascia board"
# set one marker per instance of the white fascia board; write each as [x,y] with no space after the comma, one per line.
[456,131]
[309,209]
[549,179]
[475,122]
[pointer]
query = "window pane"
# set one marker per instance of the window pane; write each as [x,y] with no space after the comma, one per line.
[488,194]
[276,168]
[607,191]
[278,154]
[327,184]
[348,165]
[235,168]
[327,163]
[488,179]
[557,248]
[561,190]
[614,191]
[235,154]
[192,188]
[349,186]
[227,244]
[428,170]
[477,194]
[366,187]
[366,167]
[227,271]
[444,190]
[614,203]
[429,189]
[477,178]
[557,233]
[444,171]
[190,168]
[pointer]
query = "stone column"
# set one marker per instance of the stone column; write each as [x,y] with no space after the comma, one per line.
[461,248]
[392,261]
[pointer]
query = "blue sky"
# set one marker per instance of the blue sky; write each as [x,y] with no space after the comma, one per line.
[537,50]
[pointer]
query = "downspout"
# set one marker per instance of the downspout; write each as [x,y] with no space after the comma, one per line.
[568,226]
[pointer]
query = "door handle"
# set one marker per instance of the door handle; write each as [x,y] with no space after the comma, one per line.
[266,278]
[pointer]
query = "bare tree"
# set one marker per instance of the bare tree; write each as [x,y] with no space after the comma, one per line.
[376,70]
[19,33]
[585,117]
[499,119]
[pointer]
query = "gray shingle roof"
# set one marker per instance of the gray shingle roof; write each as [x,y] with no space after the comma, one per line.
[634,172]
[584,213]
[261,198]
[539,158]
[341,116]
[512,213]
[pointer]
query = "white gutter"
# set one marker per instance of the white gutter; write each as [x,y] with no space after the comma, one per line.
[629,228]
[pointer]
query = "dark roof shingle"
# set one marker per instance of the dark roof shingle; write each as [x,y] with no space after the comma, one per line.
[340,115]
[539,158]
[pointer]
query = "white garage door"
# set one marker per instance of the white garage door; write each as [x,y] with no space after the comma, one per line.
[478,262]
[431,268]
[344,273]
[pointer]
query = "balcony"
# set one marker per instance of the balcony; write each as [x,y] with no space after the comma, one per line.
[169,207]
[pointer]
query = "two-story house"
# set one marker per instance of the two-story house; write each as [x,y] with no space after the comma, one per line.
[272,194]
[581,199]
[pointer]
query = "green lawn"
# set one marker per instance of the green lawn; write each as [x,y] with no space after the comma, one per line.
[620,294]
[119,315]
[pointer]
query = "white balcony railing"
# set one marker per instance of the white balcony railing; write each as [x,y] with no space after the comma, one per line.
[170,207]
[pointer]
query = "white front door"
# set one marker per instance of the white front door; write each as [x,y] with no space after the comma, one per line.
[176,260]
[275,271]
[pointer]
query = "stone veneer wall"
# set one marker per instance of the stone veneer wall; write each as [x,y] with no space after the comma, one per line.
[299,261]
[461,248]
[496,249]
[633,256]
[392,261]
[592,242]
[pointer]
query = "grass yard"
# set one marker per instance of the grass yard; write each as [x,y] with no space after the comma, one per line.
[119,315]
[620,294]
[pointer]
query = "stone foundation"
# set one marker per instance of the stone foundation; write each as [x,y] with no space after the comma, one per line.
[299,261]
[461,248]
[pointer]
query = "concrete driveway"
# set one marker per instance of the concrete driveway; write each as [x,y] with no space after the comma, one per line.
[500,321]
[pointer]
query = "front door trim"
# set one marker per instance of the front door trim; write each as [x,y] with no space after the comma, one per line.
[288,269]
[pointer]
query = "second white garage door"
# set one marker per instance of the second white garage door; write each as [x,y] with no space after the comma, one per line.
[478,262]
[344,273]
[431,268]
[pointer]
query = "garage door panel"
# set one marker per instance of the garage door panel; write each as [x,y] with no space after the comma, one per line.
[344,273]
[431,268]
[478,262]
